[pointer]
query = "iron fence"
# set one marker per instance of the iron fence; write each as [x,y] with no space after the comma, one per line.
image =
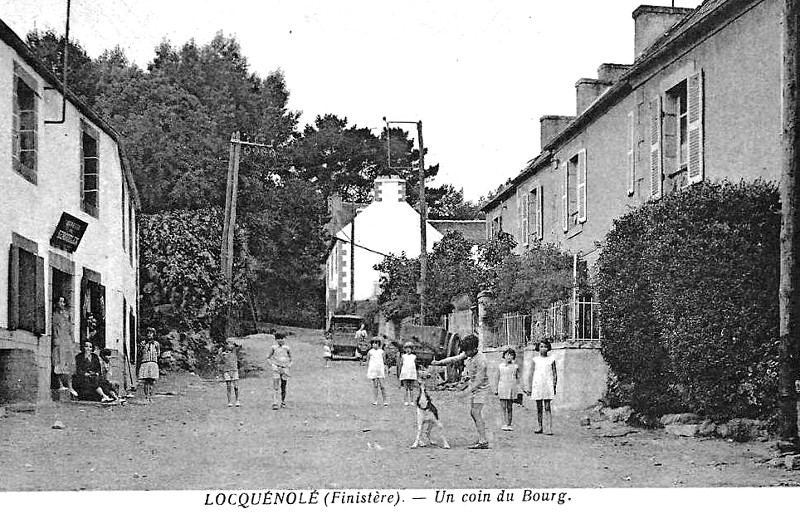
[575,322]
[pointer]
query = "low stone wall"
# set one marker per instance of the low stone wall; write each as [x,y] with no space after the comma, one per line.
[24,367]
[582,374]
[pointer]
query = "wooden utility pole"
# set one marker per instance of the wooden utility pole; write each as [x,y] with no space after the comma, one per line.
[423,212]
[789,289]
[353,258]
[229,222]
[423,225]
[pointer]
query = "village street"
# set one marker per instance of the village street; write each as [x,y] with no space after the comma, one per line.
[330,436]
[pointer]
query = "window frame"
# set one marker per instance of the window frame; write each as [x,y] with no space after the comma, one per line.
[28,172]
[35,321]
[89,131]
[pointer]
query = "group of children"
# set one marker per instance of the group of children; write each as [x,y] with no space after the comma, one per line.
[508,384]
[280,358]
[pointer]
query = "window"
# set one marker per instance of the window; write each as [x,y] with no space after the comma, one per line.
[25,124]
[574,196]
[631,154]
[90,179]
[497,226]
[26,295]
[535,212]
[676,136]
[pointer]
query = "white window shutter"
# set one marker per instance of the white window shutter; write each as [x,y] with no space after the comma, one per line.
[582,186]
[525,213]
[540,212]
[631,154]
[565,197]
[694,100]
[656,184]
[520,221]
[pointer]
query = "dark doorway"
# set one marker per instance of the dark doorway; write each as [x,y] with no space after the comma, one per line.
[93,311]
[61,285]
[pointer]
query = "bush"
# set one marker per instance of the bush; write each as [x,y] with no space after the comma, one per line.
[689,288]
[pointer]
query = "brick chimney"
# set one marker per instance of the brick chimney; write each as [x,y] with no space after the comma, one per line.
[651,22]
[390,188]
[587,90]
[551,126]
[608,72]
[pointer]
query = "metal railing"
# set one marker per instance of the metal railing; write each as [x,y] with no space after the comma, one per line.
[511,330]
[574,322]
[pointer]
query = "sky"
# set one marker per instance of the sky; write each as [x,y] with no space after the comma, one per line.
[478,74]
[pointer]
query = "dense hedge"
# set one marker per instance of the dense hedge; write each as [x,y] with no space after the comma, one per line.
[689,288]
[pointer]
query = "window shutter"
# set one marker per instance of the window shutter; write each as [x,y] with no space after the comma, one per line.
[631,154]
[13,288]
[520,224]
[40,319]
[582,186]
[565,197]
[83,172]
[694,101]
[655,148]
[526,211]
[540,212]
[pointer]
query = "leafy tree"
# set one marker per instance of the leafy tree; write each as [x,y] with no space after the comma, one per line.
[533,280]
[452,271]
[81,75]
[491,255]
[398,297]
[447,202]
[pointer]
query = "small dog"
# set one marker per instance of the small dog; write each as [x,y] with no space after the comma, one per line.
[427,417]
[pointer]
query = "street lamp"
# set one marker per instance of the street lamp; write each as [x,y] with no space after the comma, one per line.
[423,210]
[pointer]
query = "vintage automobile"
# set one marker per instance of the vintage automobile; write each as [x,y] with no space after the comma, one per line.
[429,343]
[342,330]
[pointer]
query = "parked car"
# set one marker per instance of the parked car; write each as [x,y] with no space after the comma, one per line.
[342,329]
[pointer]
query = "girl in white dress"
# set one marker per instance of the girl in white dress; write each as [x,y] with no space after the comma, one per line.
[506,386]
[376,370]
[543,385]
[408,371]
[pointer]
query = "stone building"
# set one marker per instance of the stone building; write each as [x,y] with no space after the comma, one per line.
[68,224]
[701,101]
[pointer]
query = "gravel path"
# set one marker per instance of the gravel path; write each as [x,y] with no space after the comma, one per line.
[330,436]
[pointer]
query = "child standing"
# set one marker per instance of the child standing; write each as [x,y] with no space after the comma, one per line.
[408,371]
[149,352]
[506,386]
[477,384]
[543,385]
[280,356]
[228,365]
[327,354]
[376,370]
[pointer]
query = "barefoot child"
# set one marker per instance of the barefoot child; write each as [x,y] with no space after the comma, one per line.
[228,366]
[408,372]
[376,370]
[506,386]
[477,384]
[280,356]
[543,385]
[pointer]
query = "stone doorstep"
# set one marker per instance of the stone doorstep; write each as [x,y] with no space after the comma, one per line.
[683,429]
[20,408]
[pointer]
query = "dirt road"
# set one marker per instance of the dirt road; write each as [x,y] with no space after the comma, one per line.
[330,436]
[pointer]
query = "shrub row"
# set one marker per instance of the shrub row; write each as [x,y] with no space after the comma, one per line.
[689,288]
